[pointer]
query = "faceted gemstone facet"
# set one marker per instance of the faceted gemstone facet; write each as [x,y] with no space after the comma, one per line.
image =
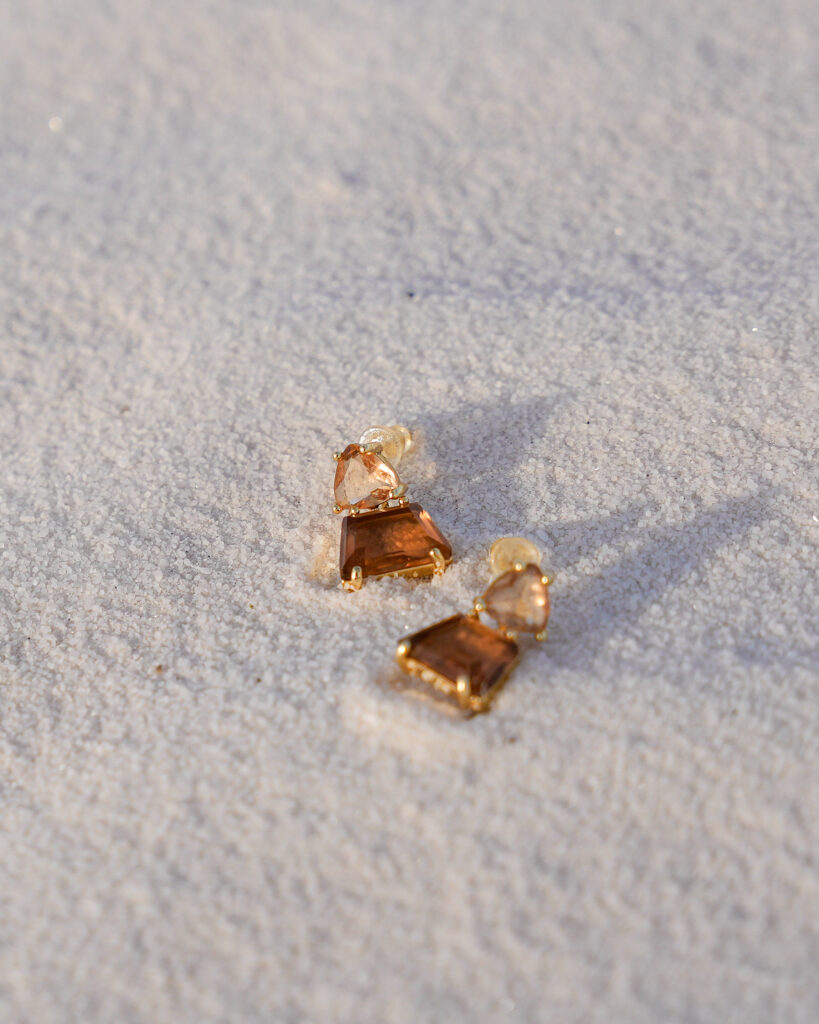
[363,479]
[519,600]
[457,650]
[396,540]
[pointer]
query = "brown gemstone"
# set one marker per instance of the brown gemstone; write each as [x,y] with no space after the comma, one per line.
[459,649]
[363,479]
[519,600]
[395,540]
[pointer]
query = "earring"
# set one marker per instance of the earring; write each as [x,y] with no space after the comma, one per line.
[468,660]
[384,534]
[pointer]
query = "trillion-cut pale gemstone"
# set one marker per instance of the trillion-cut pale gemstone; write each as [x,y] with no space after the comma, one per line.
[363,479]
[519,600]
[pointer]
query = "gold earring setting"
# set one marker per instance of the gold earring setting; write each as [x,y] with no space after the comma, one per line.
[462,656]
[384,534]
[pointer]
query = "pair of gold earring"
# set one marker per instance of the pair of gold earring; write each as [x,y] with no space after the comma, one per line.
[385,534]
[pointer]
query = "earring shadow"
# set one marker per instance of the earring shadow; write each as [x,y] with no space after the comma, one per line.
[476,449]
[600,606]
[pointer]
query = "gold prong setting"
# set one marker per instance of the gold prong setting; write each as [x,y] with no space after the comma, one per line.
[356,580]
[438,561]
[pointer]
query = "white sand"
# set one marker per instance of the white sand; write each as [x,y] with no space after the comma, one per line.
[212,215]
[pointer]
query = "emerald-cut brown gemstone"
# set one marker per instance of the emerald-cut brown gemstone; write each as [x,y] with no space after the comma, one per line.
[394,540]
[460,655]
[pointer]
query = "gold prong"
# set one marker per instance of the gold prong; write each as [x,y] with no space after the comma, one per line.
[398,491]
[510,634]
[356,580]
[354,511]
[439,560]
[403,501]
[462,685]
[337,456]
[547,579]
[403,649]
[337,508]
[518,566]
[479,605]
[541,636]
